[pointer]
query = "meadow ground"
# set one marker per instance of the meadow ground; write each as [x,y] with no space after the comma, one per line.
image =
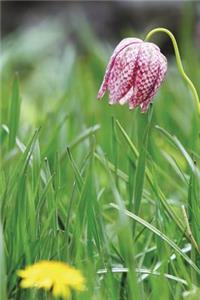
[113,192]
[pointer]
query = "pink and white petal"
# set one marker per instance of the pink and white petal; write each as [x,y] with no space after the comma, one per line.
[132,105]
[125,43]
[152,45]
[122,45]
[161,74]
[126,98]
[122,73]
[142,78]
[147,73]
[145,105]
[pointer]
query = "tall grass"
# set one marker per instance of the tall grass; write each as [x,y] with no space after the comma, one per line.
[112,191]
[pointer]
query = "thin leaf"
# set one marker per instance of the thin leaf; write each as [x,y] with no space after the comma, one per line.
[14,114]
[160,234]
[142,271]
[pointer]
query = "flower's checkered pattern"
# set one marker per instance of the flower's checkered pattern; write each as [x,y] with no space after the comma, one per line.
[134,73]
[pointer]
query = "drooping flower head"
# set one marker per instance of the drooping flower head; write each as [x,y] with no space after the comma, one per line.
[56,276]
[134,73]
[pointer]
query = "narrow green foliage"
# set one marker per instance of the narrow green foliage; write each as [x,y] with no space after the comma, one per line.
[141,165]
[162,236]
[3,289]
[14,114]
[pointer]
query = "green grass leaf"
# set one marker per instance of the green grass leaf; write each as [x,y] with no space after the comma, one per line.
[161,235]
[3,285]
[14,114]
[141,165]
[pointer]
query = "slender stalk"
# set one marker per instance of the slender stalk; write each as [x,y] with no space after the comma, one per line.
[188,228]
[178,61]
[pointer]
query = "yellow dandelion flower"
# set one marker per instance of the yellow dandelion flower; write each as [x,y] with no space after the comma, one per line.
[56,276]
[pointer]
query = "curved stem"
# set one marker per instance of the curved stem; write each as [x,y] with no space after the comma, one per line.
[178,61]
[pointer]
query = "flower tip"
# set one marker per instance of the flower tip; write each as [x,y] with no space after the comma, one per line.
[101,91]
[122,101]
[100,94]
[21,273]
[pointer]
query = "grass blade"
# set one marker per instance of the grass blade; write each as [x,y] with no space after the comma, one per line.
[141,165]
[14,114]
[2,267]
[160,234]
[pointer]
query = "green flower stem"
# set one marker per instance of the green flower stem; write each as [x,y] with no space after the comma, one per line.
[179,63]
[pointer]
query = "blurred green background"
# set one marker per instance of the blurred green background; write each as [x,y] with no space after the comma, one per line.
[53,58]
[60,49]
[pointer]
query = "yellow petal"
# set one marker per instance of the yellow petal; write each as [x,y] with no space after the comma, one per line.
[27,283]
[22,273]
[61,290]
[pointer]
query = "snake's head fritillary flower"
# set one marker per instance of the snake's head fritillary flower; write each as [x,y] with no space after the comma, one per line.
[56,276]
[134,73]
